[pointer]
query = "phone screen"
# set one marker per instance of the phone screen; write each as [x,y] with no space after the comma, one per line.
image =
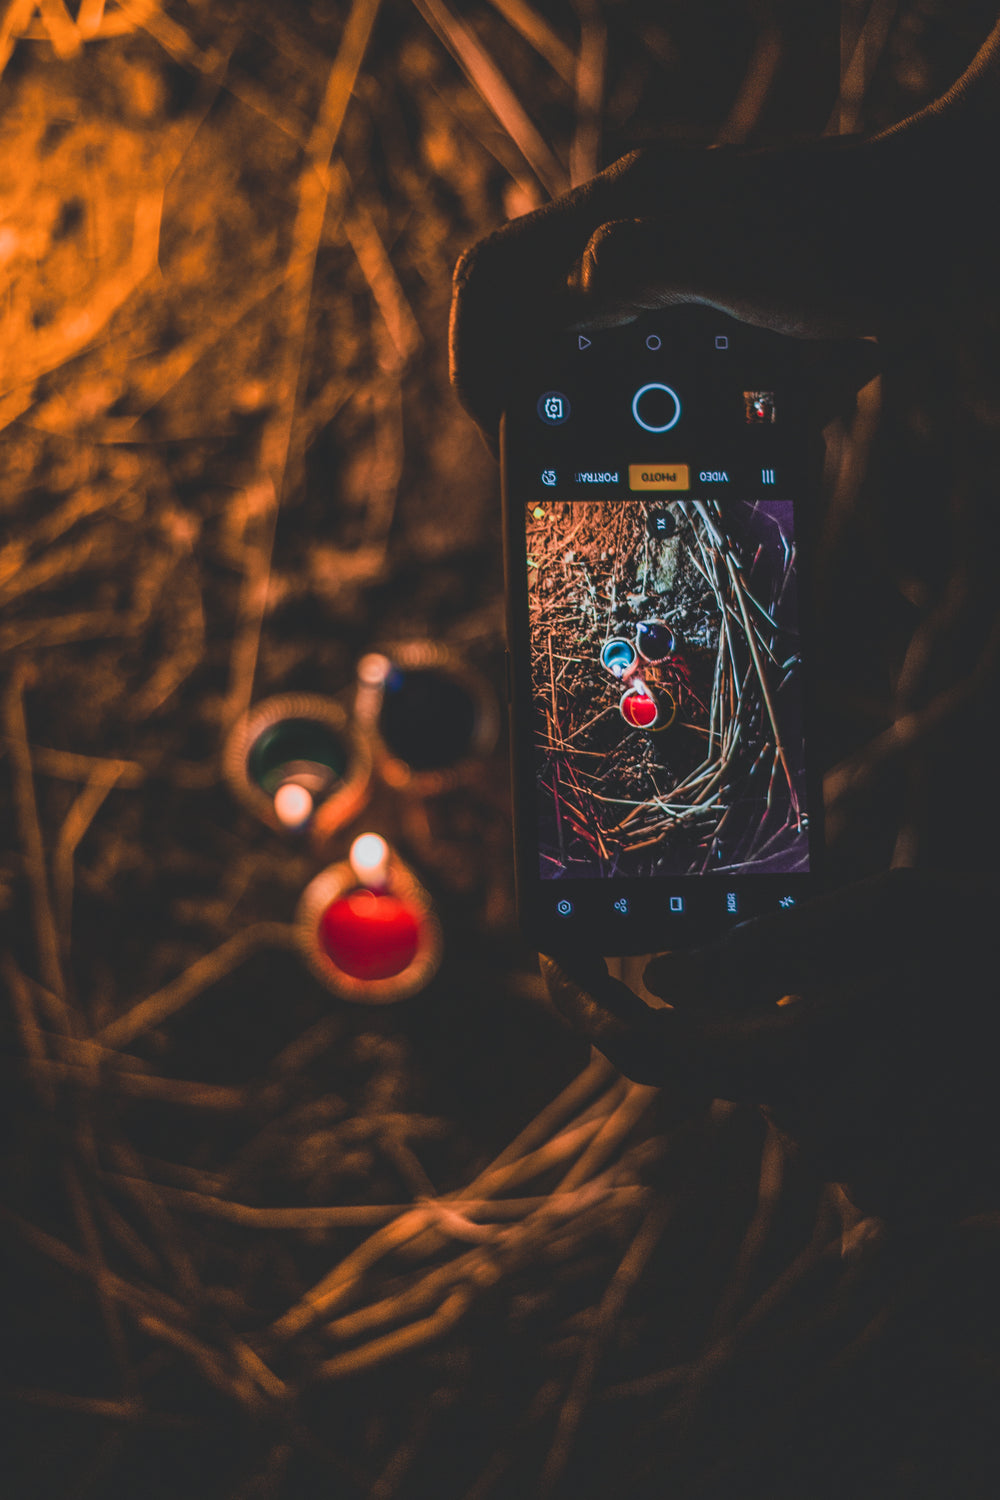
[657,490]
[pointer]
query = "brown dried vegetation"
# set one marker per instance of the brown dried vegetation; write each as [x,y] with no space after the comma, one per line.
[272,1246]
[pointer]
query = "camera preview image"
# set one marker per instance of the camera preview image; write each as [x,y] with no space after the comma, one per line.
[667,688]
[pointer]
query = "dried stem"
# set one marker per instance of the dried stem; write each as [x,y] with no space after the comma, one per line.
[204,972]
[26,808]
[608,1313]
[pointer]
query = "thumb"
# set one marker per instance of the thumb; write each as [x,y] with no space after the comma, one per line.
[624,270]
[791,278]
[634,1038]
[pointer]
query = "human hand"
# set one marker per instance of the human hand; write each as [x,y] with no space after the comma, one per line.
[833,238]
[881,1069]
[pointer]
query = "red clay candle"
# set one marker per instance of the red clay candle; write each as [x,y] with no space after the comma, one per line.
[369,934]
[638,710]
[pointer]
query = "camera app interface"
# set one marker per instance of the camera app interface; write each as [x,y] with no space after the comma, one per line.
[666,684]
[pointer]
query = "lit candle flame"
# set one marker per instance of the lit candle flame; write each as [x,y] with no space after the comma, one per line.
[293,804]
[373,669]
[369,859]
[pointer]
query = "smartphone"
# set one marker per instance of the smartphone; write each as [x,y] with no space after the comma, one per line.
[659,487]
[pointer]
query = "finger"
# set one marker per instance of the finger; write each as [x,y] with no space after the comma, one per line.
[766,236]
[744,1059]
[623,271]
[632,1036]
[740,252]
[822,239]
[510,290]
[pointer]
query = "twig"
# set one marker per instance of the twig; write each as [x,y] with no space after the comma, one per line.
[68,766]
[407,1163]
[26,807]
[79,818]
[613,1131]
[541,1404]
[772,1161]
[337,1284]
[122,1232]
[135,1298]
[756,88]
[336,1216]
[486,78]
[121,1410]
[533,1221]
[138,1085]
[341,1281]
[858,771]
[765,690]
[98,1270]
[400,1342]
[239,1387]
[584,156]
[31,1034]
[318,178]
[256,1370]
[608,1313]
[147,1198]
[597,1074]
[61,630]
[395,1471]
[204,972]
[380,274]
[540,35]
[857,74]
[426,1292]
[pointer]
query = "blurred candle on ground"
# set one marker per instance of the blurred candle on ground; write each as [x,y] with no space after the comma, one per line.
[428,717]
[370,935]
[293,804]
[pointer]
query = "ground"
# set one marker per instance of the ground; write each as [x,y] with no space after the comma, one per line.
[232,465]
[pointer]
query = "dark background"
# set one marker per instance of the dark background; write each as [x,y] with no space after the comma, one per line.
[232,464]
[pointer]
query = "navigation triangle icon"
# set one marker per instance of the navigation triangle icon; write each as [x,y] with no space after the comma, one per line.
[583,342]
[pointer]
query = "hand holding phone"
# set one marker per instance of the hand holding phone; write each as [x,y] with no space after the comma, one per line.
[862,1022]
[830,238]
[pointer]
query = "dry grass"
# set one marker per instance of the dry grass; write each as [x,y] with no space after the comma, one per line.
[263,1245]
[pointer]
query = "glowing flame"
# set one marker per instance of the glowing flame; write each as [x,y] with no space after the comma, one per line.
[369,858]
[293,804]
[373,669]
